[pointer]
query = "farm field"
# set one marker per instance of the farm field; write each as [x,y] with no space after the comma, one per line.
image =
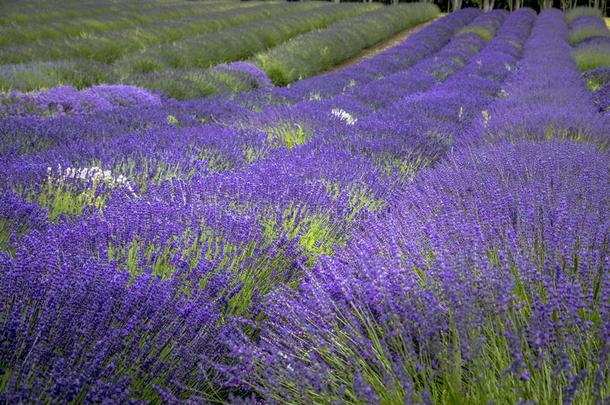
[429,225]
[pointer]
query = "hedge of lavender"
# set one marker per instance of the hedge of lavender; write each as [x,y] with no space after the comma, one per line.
[427,226]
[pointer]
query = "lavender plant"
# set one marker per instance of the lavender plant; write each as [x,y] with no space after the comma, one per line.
[487,282]
[428,225]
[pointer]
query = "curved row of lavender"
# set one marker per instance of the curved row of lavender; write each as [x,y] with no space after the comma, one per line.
[429,225]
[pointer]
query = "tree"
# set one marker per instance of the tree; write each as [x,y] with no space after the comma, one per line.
[514,4]
[456,5]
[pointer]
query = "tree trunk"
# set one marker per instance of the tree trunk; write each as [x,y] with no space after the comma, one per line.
[546,4]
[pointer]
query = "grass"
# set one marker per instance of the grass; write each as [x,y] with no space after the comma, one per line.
[288,134]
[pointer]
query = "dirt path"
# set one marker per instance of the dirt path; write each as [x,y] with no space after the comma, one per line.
[381,46]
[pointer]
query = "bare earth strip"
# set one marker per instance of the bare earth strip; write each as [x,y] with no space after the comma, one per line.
[382,46]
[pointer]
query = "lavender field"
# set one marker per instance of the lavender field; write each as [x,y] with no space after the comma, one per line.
[427,226]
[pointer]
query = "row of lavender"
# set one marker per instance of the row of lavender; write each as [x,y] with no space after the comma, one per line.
[158,275]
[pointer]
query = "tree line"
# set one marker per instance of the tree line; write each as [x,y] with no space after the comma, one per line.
[511,5]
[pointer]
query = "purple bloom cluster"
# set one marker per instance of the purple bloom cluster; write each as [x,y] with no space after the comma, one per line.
[369,235]
[258,77]
[68,100]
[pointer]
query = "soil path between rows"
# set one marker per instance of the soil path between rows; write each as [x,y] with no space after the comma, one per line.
[382,46]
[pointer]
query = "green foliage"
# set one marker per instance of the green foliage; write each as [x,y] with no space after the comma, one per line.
[61,197]
[107,47]
[595,83]
[8,229]
[404,167]
[288,134]
[591,57]
[192,83]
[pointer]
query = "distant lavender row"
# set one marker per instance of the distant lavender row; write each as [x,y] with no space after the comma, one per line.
[416,115]
[108,18]
[32,12]
[68,100]
[240,42]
